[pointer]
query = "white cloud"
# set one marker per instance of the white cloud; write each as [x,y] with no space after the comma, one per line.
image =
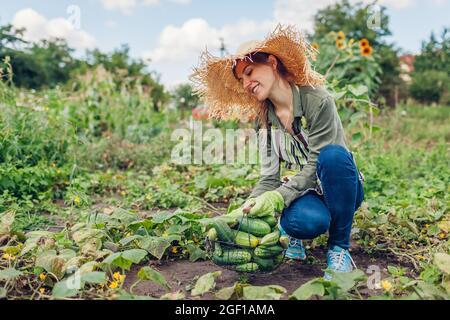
[299,12]
[125,6]
[181,1]
[185,42]
[39,27]
[150,2]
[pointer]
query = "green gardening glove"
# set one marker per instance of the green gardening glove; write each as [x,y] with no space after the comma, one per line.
[267,204]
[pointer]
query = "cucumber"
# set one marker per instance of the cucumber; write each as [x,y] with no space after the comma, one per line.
[245,239]
[268,251]
[284,241]
[270,220]
[278,259]
[212,234]
[256,227]
[233,256]
[217,249]
[271,238]
[247,267]
[264,264]
[224,232]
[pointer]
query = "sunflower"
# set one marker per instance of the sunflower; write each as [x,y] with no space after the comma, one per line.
[366,51]
[363,43]
[315,45]
[340,36]
[340,44]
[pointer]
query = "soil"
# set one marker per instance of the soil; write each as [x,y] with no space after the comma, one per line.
[290,275]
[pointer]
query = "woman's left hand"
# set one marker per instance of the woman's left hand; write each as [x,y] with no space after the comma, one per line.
[266,204]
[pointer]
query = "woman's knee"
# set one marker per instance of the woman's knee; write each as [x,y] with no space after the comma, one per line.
[305,225]
[332,153]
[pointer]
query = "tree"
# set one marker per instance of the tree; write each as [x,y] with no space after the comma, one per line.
[45,63]
[184,98]
[351,18]
[431,76]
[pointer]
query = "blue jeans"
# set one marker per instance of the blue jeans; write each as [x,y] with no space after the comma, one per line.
[312,214]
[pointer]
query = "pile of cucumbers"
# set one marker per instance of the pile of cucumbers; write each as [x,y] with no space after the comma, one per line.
[246,244]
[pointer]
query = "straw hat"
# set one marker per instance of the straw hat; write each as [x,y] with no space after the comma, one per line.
[215,83]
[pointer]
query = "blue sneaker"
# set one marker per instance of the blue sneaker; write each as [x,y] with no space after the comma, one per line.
[338,260]
[295,250]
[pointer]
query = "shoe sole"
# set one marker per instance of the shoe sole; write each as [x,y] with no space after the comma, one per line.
[295,258]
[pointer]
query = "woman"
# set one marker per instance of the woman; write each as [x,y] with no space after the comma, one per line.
[273,80]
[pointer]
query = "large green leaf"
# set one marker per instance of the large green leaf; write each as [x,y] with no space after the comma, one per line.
[270,292]
[442,261]
[196,253]
[155,245]
[65,289]
[9,274]
[6,221]
[147,273]
[126,258]
[358,91]
[55,262]
[83,235]
[234,292]
[96,277]
[164,216]
[307,290]
[129,239]
[347,280]
[32,239]
[205,283]
[178,295]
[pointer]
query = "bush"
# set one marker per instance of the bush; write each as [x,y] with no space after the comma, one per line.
[430,86]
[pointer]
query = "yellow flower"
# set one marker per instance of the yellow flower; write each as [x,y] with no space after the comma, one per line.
[367,51]
[42,290]
[77,200]
[53,165]
[113,284]
[340,44]
[116,276]
[386,285]
[58,171]
[340,36]
[42,276]
[364,43]
[174,249]
[315,45]
[8,256]
[123,193]
[442,235]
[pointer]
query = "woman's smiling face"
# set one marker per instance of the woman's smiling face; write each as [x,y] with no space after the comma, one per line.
[257,79]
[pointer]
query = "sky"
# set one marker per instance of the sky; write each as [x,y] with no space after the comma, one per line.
[171,34]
